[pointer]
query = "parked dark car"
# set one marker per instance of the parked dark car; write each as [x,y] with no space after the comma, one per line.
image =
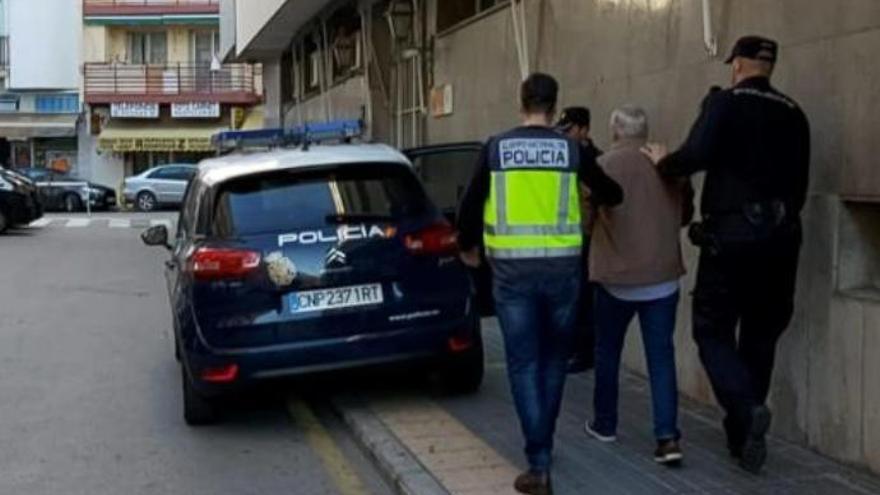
[299,261]
[19,200]
[63,192]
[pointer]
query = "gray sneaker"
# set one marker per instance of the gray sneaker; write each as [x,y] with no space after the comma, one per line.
[590,429]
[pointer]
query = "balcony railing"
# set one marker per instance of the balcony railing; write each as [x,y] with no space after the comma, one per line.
[172,83]
[147,7]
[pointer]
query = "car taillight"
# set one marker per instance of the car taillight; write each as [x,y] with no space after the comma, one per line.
[220,374]
[220,263]
[439,238]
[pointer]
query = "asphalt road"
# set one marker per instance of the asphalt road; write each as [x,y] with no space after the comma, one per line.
[90,393]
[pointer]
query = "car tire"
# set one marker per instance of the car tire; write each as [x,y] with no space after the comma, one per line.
[4,221]
[462,373]
[146,201]
[72,203]
[197,409]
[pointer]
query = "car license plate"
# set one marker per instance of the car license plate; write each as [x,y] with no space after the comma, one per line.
[336,298]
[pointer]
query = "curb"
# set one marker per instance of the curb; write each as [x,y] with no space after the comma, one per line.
[405,474]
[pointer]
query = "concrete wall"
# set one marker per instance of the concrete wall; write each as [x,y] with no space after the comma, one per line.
[607,52]
[343,101]
[250,17]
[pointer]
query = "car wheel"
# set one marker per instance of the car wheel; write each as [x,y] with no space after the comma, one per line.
[462,373]
[146,201]
[197,410]
[4,222]
[72,203]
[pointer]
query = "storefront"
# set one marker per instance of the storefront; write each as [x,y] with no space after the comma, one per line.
[145,146]
[48,141]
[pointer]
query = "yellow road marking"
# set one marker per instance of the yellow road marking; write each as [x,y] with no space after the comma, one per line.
[337,466]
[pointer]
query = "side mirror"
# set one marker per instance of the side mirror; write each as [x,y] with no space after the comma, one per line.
[156,236]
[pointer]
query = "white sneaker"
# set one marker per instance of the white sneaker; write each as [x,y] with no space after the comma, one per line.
[588,428]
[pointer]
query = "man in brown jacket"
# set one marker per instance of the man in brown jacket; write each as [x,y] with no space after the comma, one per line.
[636,262]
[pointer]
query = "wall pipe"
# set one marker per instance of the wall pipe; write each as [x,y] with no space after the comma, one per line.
[709,39]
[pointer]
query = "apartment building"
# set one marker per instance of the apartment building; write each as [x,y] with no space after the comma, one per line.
[39,81]
[436,71]
[155,87]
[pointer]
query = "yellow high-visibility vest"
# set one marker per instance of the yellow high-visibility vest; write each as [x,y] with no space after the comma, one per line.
[533,209]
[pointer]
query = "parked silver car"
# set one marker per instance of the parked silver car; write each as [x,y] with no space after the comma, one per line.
[159,186]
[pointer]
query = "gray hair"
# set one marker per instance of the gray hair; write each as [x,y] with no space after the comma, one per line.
[629,122]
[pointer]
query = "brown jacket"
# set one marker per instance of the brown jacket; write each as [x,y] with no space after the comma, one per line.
[638,242]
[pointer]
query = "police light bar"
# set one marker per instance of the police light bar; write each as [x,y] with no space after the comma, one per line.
[340,130]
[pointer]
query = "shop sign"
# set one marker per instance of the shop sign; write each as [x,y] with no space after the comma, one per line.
[123,145]
[195,110]
[134,110]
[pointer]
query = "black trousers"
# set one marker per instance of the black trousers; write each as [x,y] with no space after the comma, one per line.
[749,285]
[585,340]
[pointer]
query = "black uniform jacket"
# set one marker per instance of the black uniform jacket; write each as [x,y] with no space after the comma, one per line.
[754,144]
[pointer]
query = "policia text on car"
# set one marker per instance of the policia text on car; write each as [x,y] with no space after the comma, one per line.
[754,144]
[523,203]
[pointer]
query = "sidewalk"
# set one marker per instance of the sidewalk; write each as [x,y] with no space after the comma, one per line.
[484,427]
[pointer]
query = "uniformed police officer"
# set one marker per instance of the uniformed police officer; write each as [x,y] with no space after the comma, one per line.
[754,144]
[522,205]
[575,122]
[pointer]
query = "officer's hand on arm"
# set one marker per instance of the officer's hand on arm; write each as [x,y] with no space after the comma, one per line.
[655,151]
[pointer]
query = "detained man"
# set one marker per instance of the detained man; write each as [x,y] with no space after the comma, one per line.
[636,263]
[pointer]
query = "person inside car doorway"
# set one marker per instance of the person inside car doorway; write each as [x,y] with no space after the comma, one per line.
[753,142]
[523,205]
[575,123]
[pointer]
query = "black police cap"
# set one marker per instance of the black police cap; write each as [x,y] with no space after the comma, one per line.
[755,48]
[571,116]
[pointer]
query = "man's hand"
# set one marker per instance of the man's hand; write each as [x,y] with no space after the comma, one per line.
[471,257]
[655,151]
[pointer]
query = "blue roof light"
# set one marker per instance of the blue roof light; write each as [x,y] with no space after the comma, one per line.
[339,130]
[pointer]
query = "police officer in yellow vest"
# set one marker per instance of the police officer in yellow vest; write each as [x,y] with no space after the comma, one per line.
[522,206]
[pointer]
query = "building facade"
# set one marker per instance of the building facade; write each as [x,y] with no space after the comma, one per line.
[39,80]
[435,71]
[154,86]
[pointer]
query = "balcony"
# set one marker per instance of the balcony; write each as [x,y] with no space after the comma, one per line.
[149,7]
[238,84]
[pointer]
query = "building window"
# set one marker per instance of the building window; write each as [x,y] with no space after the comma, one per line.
[8,104]
[452,12]
[312,66]
[68,103]
[148,47]
[204,47]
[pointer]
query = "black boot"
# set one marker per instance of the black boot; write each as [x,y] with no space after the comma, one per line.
[754,451]
[534,483]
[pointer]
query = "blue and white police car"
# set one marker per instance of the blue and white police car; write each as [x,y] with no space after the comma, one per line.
[313,257]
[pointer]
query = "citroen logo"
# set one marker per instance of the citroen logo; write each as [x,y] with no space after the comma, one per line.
[335,257]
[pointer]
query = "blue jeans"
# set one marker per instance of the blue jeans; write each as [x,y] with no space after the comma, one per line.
[537,310]
[657,321]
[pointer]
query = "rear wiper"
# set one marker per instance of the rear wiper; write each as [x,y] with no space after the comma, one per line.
[343,218]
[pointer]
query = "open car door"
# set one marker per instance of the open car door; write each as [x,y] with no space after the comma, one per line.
[446,170]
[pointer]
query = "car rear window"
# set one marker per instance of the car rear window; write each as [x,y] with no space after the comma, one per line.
[291,200]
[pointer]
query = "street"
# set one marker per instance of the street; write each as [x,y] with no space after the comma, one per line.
[90,404]
[90,393]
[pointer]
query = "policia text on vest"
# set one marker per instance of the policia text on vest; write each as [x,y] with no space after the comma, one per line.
[523,201]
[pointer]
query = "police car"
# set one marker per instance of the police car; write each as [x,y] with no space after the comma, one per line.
[310,258]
